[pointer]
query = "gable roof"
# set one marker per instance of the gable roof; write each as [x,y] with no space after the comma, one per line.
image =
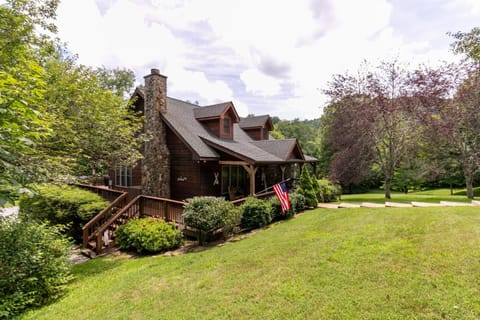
[182,118]
[215,111]
[283,149]
[256,122]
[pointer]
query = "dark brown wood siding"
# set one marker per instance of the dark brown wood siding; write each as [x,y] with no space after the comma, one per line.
[255,134]
[184,172]
[209,185]
[213,126]
[265,133]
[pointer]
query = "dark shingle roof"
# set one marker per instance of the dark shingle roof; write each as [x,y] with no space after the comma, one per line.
[280,148]
[253,122]
[212,111]
[181,117]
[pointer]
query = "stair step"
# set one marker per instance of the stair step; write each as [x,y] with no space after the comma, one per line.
[88,253]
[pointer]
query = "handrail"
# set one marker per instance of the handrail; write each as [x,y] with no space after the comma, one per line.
[88,228]
[257,195]
[99,232]
[104,192]
[164,199]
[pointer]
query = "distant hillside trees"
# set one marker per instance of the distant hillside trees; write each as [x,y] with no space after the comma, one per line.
[410,126]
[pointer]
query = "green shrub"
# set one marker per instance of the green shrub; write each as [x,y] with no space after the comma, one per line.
[8,194]
[207,214]
[328,191]
[34,265]
[306,188]
[297,201]
[69,206]
[297,204]
[148,235]
[255,213]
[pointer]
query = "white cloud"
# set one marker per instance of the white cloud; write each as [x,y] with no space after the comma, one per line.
[248,50]
[259,83]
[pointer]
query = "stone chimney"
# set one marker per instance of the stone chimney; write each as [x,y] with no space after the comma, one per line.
[156,162]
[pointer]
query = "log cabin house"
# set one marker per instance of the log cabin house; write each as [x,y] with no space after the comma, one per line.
[204,151]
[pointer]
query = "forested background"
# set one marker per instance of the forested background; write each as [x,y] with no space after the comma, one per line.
[399,126]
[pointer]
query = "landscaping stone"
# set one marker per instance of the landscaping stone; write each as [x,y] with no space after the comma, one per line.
[398,205]
[372,205]
[426,204]
[348,205]
[455,204]
[327,205]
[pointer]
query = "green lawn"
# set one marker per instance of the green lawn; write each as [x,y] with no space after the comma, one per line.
[378,196]
[383,263]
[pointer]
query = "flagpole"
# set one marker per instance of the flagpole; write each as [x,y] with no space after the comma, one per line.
[265,190]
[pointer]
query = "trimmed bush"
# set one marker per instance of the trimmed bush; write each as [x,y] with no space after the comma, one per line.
[148,235]
[207,214]
[297,204]
[34,265]
[306,188]
[256,213]
[297,201]
[69,206]
[328,192]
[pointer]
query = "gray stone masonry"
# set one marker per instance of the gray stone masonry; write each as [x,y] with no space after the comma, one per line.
[156,162]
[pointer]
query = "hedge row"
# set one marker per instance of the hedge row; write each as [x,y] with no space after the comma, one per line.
[208,214]
[68,206]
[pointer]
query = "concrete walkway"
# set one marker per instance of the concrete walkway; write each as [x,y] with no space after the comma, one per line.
[398,204]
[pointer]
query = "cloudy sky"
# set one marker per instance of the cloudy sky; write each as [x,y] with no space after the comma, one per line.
[268,57]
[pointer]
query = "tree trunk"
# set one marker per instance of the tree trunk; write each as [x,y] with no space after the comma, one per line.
[388,183]
[469,184]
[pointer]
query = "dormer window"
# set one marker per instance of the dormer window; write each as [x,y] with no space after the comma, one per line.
[226,126]
[218,119]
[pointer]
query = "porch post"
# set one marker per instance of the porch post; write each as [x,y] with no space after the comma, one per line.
[251,170]
[283,171]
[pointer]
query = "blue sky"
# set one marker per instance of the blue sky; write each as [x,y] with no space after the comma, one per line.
[268,57]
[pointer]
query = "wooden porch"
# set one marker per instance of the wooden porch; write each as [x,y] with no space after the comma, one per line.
[99,232]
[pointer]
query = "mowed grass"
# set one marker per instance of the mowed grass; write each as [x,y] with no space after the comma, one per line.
[378,196]
[382,263]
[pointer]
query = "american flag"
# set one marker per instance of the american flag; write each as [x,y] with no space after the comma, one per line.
[282,195]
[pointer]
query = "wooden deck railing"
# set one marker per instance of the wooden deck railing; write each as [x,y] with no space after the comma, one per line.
[94,224]
[262,195]
[167,209]
[106,193]
[141,206]
[119,212]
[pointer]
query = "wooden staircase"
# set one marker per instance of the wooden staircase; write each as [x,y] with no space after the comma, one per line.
[99,233]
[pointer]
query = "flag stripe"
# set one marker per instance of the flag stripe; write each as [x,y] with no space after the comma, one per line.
[282,195]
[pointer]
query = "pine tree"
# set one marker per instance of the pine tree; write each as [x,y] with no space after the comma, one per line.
[306,188]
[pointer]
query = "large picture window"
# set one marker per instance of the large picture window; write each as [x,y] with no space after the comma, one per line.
[233,177]
[123,176]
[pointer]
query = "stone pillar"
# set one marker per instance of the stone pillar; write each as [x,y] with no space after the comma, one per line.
[156,162]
